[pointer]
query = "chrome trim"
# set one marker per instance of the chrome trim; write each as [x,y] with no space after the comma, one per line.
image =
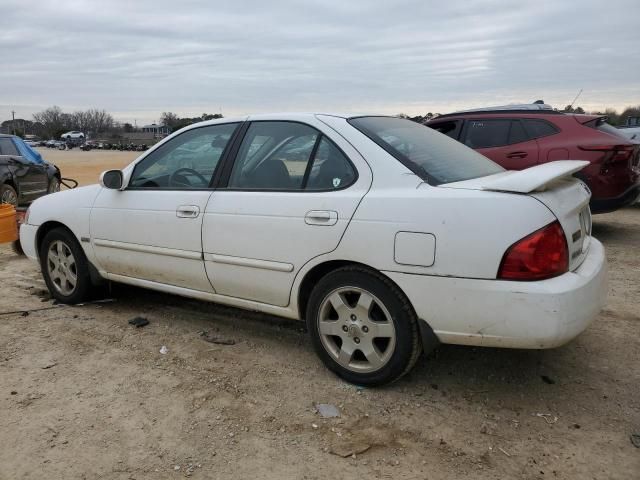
[135,247]
[249,262]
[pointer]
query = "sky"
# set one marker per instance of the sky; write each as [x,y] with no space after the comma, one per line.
[139,58]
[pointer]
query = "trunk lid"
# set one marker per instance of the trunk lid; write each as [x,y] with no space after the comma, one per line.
[553,185]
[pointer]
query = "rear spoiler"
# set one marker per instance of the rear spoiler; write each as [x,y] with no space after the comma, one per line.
[534,178]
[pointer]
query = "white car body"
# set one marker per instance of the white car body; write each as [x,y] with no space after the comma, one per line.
[73,135]
[632,133]
[441,245]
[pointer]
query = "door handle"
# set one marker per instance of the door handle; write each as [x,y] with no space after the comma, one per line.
[517,154]
[188,211]
[321,217]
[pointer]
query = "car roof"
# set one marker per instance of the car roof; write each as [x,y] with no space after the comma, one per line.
[283,116]
[526,108]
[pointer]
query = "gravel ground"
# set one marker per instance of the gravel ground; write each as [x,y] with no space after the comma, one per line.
[85,395]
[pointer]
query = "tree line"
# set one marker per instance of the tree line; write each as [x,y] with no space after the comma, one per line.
[53,121]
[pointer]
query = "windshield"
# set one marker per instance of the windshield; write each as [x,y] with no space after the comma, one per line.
[432,156]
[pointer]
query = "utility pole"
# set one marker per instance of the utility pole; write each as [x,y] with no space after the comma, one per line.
[13,121]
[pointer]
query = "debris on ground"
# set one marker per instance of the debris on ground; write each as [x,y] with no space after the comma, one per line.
[635,439]
[326,410]
[550,419]
[27,312]
[49,365]
[548,380]
[93,302]
[164,350]
[139,322]
[217,340]
[504,451]
[349,449]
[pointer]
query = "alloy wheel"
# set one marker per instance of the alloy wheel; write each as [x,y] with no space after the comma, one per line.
[356,329]
[61,267]
[9,196]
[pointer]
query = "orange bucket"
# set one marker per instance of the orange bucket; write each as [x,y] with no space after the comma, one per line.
[8,223]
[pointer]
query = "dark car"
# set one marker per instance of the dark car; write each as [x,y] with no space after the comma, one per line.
[519,137]
[24,175]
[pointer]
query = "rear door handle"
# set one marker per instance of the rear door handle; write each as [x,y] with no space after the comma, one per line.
[321,217]
[517,154]
[188,211]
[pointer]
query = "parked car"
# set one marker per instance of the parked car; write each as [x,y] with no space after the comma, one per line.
[24,175]
[631,129]
[384,235]
[521,136]
[73,135]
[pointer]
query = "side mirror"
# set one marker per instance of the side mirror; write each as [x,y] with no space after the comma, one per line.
[112,179]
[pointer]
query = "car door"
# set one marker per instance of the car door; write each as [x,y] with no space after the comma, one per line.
[31,178]
[287,197]
[505,141]
[151,230]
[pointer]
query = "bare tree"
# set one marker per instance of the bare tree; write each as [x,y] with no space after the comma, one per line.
[169,119]
[53,120]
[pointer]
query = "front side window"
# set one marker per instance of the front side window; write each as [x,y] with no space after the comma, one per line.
[7,147]
[185,162]
[289,156]
[433,157]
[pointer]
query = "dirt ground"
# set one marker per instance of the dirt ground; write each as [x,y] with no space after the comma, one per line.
[83,394]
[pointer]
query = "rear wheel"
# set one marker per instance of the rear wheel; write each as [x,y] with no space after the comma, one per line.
[363,327]
[8,195]
[64,266]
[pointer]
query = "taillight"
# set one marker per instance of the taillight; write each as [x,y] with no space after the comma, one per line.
[543,254]
[614,153]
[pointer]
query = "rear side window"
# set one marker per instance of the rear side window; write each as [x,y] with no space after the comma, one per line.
[433,157]
[517,133]
[486,133]
[539,128]
[7,147]
[289,156]
[450,129]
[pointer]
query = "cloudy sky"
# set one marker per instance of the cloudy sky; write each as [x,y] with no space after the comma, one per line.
[139,58]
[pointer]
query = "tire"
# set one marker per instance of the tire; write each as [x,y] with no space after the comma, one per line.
[54,185]
[8,194]
[67,262]
[345,338]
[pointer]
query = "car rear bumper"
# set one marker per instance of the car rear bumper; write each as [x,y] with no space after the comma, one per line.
[496,313]
[606,205]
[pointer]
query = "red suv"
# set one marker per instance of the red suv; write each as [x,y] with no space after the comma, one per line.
[524,136]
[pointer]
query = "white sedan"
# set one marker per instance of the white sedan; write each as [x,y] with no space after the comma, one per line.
[384,235]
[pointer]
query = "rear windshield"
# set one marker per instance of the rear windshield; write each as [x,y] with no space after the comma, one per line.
[432,156]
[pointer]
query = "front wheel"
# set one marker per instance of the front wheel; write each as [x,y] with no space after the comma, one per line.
[8,195]
[363,327]
[64,267]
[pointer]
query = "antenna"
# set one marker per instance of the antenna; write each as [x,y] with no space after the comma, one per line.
[574,100]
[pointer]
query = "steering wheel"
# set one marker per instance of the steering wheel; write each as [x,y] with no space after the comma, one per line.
[173,181]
